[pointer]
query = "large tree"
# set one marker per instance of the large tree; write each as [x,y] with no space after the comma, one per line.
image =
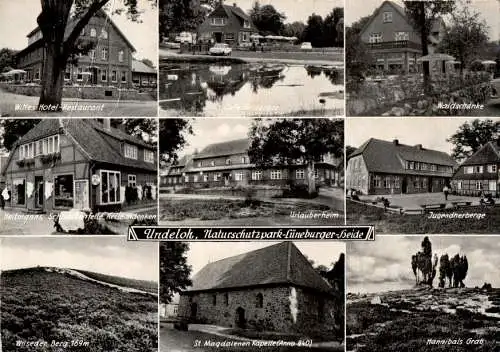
[331,28]
[314,32]
[358,57]
[267,19]
[61,23]
[422,15]
[467,36]
[14,129]
[173,137]
[145,129]
[174,270]
[471,136]
[296,141]
[181,15]
[294,29]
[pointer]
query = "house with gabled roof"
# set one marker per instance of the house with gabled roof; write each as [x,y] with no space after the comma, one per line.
[109,63]
[228,164]
[227,24]
[63,164]
[385,167]
[393,41]
[480,173]
[273,288]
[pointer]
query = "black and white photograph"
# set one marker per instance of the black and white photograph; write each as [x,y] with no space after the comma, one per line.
[78,58]
[422,58]
[251,58]
[424,175]
[251,172]
[78,294]
[77,176]
[416,293]
[248,296]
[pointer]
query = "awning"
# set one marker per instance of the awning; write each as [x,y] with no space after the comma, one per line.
[436,57]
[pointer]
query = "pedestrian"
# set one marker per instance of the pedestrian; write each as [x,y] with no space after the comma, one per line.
[446,191]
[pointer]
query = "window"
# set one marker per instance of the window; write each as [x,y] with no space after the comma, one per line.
[79,74]
[214,300]
[492,168]
[104,75]
[433,167]
[377,181]
[257,175]
[104,54]
[259,300]
[37,74]
[375,37]
[226,299]
[398,36]
[63,191]
[246,24]
[212,163]
[19,191]
[124,76]
[387,17]
[186,178]
[67,74]
[104,34]
[205,178]
[468,170]
[316,173]
[130,151]
[110,187]
[92,54]
[195,178]
[217,176]
[229,36]
[120,56]
[478,169]
[228,161]
[238,176]
[396,182]
[218,21]
[275,174]
[149,156]
[47,145]
[244,160]
[113,76]
[83,32]
[387,182]
[299,174]
[459,185]
[479,186]
[93,32]
[132,180]
[492,185]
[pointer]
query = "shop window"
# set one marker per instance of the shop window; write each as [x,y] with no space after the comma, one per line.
[63,191]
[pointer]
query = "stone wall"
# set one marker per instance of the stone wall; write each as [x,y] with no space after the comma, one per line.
[282,309]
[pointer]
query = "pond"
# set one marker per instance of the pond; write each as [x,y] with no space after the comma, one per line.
[271,89]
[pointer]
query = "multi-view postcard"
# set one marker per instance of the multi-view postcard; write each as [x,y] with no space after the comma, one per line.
[405,177]
[248,296]
[80,176]
[83,58]
[78,294]
[251,172]
[251,58]
[421,58]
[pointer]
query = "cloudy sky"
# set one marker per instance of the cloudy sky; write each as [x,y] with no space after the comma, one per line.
[294,10]
[385,264]
[488,9]
[431,132]
[324,252]
[106,255]
[18,18]
[208,131]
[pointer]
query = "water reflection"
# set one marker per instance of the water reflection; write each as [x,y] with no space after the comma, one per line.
[248,89]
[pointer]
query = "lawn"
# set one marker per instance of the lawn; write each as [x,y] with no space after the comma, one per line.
[177,210]
[387,222]
[47,306]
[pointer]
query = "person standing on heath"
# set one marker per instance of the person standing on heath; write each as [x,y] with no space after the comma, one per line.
[446,191]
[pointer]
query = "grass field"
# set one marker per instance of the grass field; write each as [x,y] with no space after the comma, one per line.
[173,210]
[386,222]
[43,306]
[148,286]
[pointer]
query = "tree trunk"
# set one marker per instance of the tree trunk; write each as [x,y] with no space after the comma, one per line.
[52,79]
[311,181]
[424,35]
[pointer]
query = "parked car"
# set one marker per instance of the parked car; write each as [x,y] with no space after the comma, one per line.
[306,46]
[185,38]
[220,49]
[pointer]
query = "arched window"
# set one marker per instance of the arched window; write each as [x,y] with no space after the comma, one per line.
[259,300]
[104,34]
[226,299]
[120,56]
[214,300]
[93,32]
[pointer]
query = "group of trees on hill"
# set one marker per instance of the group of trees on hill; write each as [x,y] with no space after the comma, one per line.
[454,269]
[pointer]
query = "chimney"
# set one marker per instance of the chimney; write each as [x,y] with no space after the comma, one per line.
[419,146]
[395,142]
[234,4]
[106,123]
